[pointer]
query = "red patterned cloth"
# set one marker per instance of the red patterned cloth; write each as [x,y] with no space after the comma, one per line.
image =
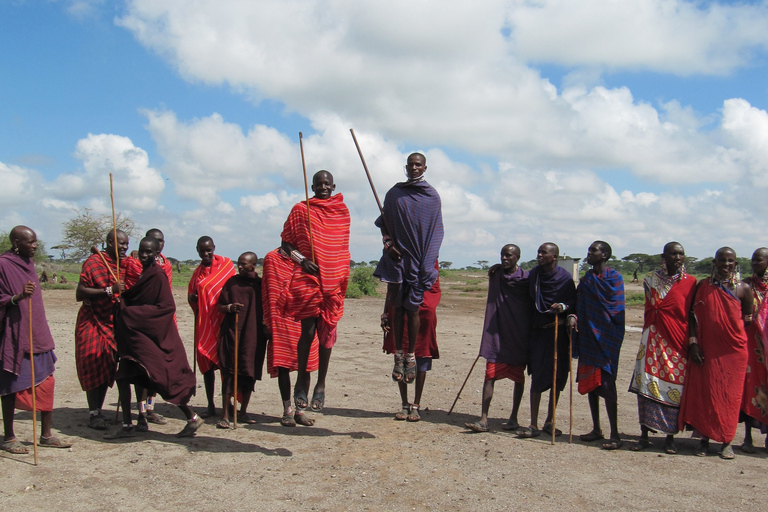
[498,371]
[207,283]
[319,296]
[426,341]
[712,394]
[754,403]
[281,349]
[95,348]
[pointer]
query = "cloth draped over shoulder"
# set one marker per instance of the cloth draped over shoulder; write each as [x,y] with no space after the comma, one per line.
[508,316]
[95,347]
[545,289]
[284,330]
[600,309]
[713,391]
[309,296]
[148,342]
[15,272]
[412,210]
[754,403]
[252,344]
[207,283]
[662,359]
[426,340]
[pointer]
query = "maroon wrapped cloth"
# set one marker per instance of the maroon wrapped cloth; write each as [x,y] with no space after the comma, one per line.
[508,316]
[426,341]
[252,344]
[15,271]
[148,342]
[712,394]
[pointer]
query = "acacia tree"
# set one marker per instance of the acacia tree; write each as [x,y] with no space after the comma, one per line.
[87,229]
[446,264]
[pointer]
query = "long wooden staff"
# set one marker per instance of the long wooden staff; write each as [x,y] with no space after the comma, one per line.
[570,376]
[96,250]
[373,188]
[32,369]
[234,390]
[306,194]
[117,263]
[553,403]
[462,386]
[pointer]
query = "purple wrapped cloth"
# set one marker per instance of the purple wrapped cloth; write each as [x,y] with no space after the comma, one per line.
[508,315]
[413,214]
[15,271]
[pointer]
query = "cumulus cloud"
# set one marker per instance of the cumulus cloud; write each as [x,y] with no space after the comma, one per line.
[18,185]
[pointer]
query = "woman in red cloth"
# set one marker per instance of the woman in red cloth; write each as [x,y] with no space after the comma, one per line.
[718,347]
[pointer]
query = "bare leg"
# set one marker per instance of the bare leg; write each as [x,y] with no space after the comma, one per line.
[8,405]
[517,399]
[421,377]
[245,402]
[535,402]
[284,383]
[308,328]
[594,409]
[554,397]
[227,401]
[414,324]
[398,324]
[209,379]
[46,418]
[124,389]
[612,408]
[96,397]
[322,371]
[486,403]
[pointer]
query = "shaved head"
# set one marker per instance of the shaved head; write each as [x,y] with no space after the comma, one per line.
[20,232]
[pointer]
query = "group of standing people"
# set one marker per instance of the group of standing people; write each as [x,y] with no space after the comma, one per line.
[717,323]
[126,331]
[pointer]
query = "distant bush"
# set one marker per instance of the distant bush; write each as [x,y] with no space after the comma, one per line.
[362,282]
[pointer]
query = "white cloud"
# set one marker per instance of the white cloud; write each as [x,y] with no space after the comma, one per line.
[18,185]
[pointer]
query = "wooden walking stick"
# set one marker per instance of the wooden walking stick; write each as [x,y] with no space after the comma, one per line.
[462,386]
[32,369]
[570,376]
[234,389]
[117,263]
[306,194]
[554,386]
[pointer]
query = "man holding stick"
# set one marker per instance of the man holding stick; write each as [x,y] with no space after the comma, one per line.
[95,348]
[18,286]
[203,295]
[506,328]
[553,292]
[240,302]
[315,295]
[598,331]
[412,231]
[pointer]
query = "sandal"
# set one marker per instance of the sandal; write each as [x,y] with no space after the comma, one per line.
[511,426]
[669,447]
[191,427]
[613,444]
[727,452]
[410,369]
[477,426]
[208,413]
[157,419]
[97,422]
[398,372]
[245,419]
[413,415]
[287,421]
[702,449]
[303,419]
[747,447]
[122,433]
[403,414]
[547,429]
[300,398]
[14,446]
[53,442]
[141,424]
[318,400]
[528,432]
[223,424]
[641,445]
[592,436]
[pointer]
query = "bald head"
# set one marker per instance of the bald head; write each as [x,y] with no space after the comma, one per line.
[23,241]
[20,232]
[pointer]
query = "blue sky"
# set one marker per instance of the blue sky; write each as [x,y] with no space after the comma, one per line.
[636,122]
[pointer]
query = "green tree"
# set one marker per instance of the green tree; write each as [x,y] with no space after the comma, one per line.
[87,229]
[445,264]
[483,264]
[644,262]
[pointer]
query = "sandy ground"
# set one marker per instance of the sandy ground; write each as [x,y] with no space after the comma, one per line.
[357,457]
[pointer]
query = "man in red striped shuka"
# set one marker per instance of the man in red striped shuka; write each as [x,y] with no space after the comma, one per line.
[203,294]
[319,247]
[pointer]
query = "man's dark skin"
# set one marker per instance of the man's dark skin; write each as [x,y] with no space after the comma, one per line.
[725,263]
[206,249]
[673,257]
[598,257]
[95,397]
[415,167]
[322,186]
[24,241]
[546,257]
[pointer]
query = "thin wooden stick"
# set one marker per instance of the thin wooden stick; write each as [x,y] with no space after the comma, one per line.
[462,386]
[306,194]
[117,263]
[553,403]
[96,250]
[373,188]
[570,376]
[234,389]
[32,369]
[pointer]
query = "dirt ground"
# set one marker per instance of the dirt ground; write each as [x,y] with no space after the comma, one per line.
[357,457]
